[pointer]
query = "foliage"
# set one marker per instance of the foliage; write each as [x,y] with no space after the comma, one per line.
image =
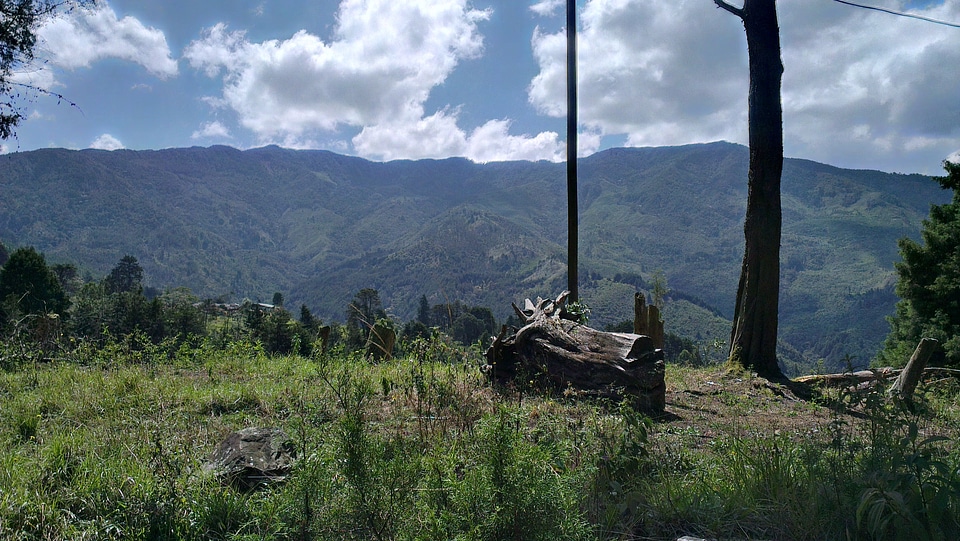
[929,283]
[28,287]
[125,277]
[109,443]
[458,231]
[19,20]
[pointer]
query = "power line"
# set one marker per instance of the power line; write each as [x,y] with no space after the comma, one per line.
[900,13]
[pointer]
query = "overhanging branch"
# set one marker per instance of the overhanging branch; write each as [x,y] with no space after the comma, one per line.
[723,5]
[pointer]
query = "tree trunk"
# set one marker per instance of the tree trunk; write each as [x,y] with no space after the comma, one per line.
[753,340]
[556,354]
[646,320]
[906,383]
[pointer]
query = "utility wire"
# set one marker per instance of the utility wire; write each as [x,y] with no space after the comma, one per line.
[900,13]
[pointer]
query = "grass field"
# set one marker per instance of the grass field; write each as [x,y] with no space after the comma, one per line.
[110,443]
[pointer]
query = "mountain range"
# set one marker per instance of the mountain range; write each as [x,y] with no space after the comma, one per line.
[318,227]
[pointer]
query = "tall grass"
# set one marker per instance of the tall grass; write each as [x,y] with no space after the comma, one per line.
[110,446]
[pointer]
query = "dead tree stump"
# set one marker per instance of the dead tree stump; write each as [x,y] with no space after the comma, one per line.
[646,319]
[907,381]
[566,356]
[381,341]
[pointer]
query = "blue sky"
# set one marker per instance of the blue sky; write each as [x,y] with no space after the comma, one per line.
[484,79]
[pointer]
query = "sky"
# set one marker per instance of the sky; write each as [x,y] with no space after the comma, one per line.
[485,79]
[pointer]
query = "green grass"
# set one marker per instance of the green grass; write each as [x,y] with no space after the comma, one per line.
[423,448]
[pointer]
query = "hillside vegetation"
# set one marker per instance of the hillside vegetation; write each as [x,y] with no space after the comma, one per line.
[320,227]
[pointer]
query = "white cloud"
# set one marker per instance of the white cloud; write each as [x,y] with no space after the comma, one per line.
[382,64]
[438,136]
[545,8]
[659,72]
[375,74]
[211,130]
[860,88]
[81,37]
[107,142]
[868,85]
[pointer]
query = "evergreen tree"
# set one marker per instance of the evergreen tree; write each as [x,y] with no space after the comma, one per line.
[68,277]
[126,276]
[365,308]
[28,286]
[423,313]
[362,313]
[307,318]
[929,283]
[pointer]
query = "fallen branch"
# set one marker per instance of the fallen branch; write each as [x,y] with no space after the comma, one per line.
[846,379]
[870,376]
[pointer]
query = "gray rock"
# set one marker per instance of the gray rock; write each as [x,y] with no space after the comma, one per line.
[253,458]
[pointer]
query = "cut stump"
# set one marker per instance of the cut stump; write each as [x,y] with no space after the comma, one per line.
[566,356]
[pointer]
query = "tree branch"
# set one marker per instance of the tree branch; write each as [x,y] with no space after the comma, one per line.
[722,4]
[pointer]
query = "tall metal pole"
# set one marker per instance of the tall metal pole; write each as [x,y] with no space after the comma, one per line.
[572,213]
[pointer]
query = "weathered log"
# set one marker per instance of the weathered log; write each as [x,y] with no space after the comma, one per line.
[875,375]
[906,382]
[849,378]
[563,355]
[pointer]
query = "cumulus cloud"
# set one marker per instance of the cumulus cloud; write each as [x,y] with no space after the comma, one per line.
[545,8]
[860,88]
[81,37]
[107,142]
[659,72]
[439,136]
[375,74]
[211,130]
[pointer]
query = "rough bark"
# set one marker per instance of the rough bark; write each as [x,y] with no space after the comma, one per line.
[557,354]
[646,320]
[753,339]
[907,381]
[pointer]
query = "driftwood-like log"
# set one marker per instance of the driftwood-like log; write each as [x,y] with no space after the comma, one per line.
[849,379]
[563,355]
[907,381]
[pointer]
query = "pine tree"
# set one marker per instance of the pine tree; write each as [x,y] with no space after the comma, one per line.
[28,286]
[929,284]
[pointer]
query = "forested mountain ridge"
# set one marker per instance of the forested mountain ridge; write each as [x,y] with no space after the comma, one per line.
[320,226]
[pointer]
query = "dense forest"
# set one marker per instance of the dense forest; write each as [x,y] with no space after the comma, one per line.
[233,225]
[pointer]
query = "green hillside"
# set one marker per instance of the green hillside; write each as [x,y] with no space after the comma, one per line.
[320,226]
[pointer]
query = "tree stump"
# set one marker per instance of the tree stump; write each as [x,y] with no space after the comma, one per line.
[566,356]
[381,341]
[646,319]
[907,381]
